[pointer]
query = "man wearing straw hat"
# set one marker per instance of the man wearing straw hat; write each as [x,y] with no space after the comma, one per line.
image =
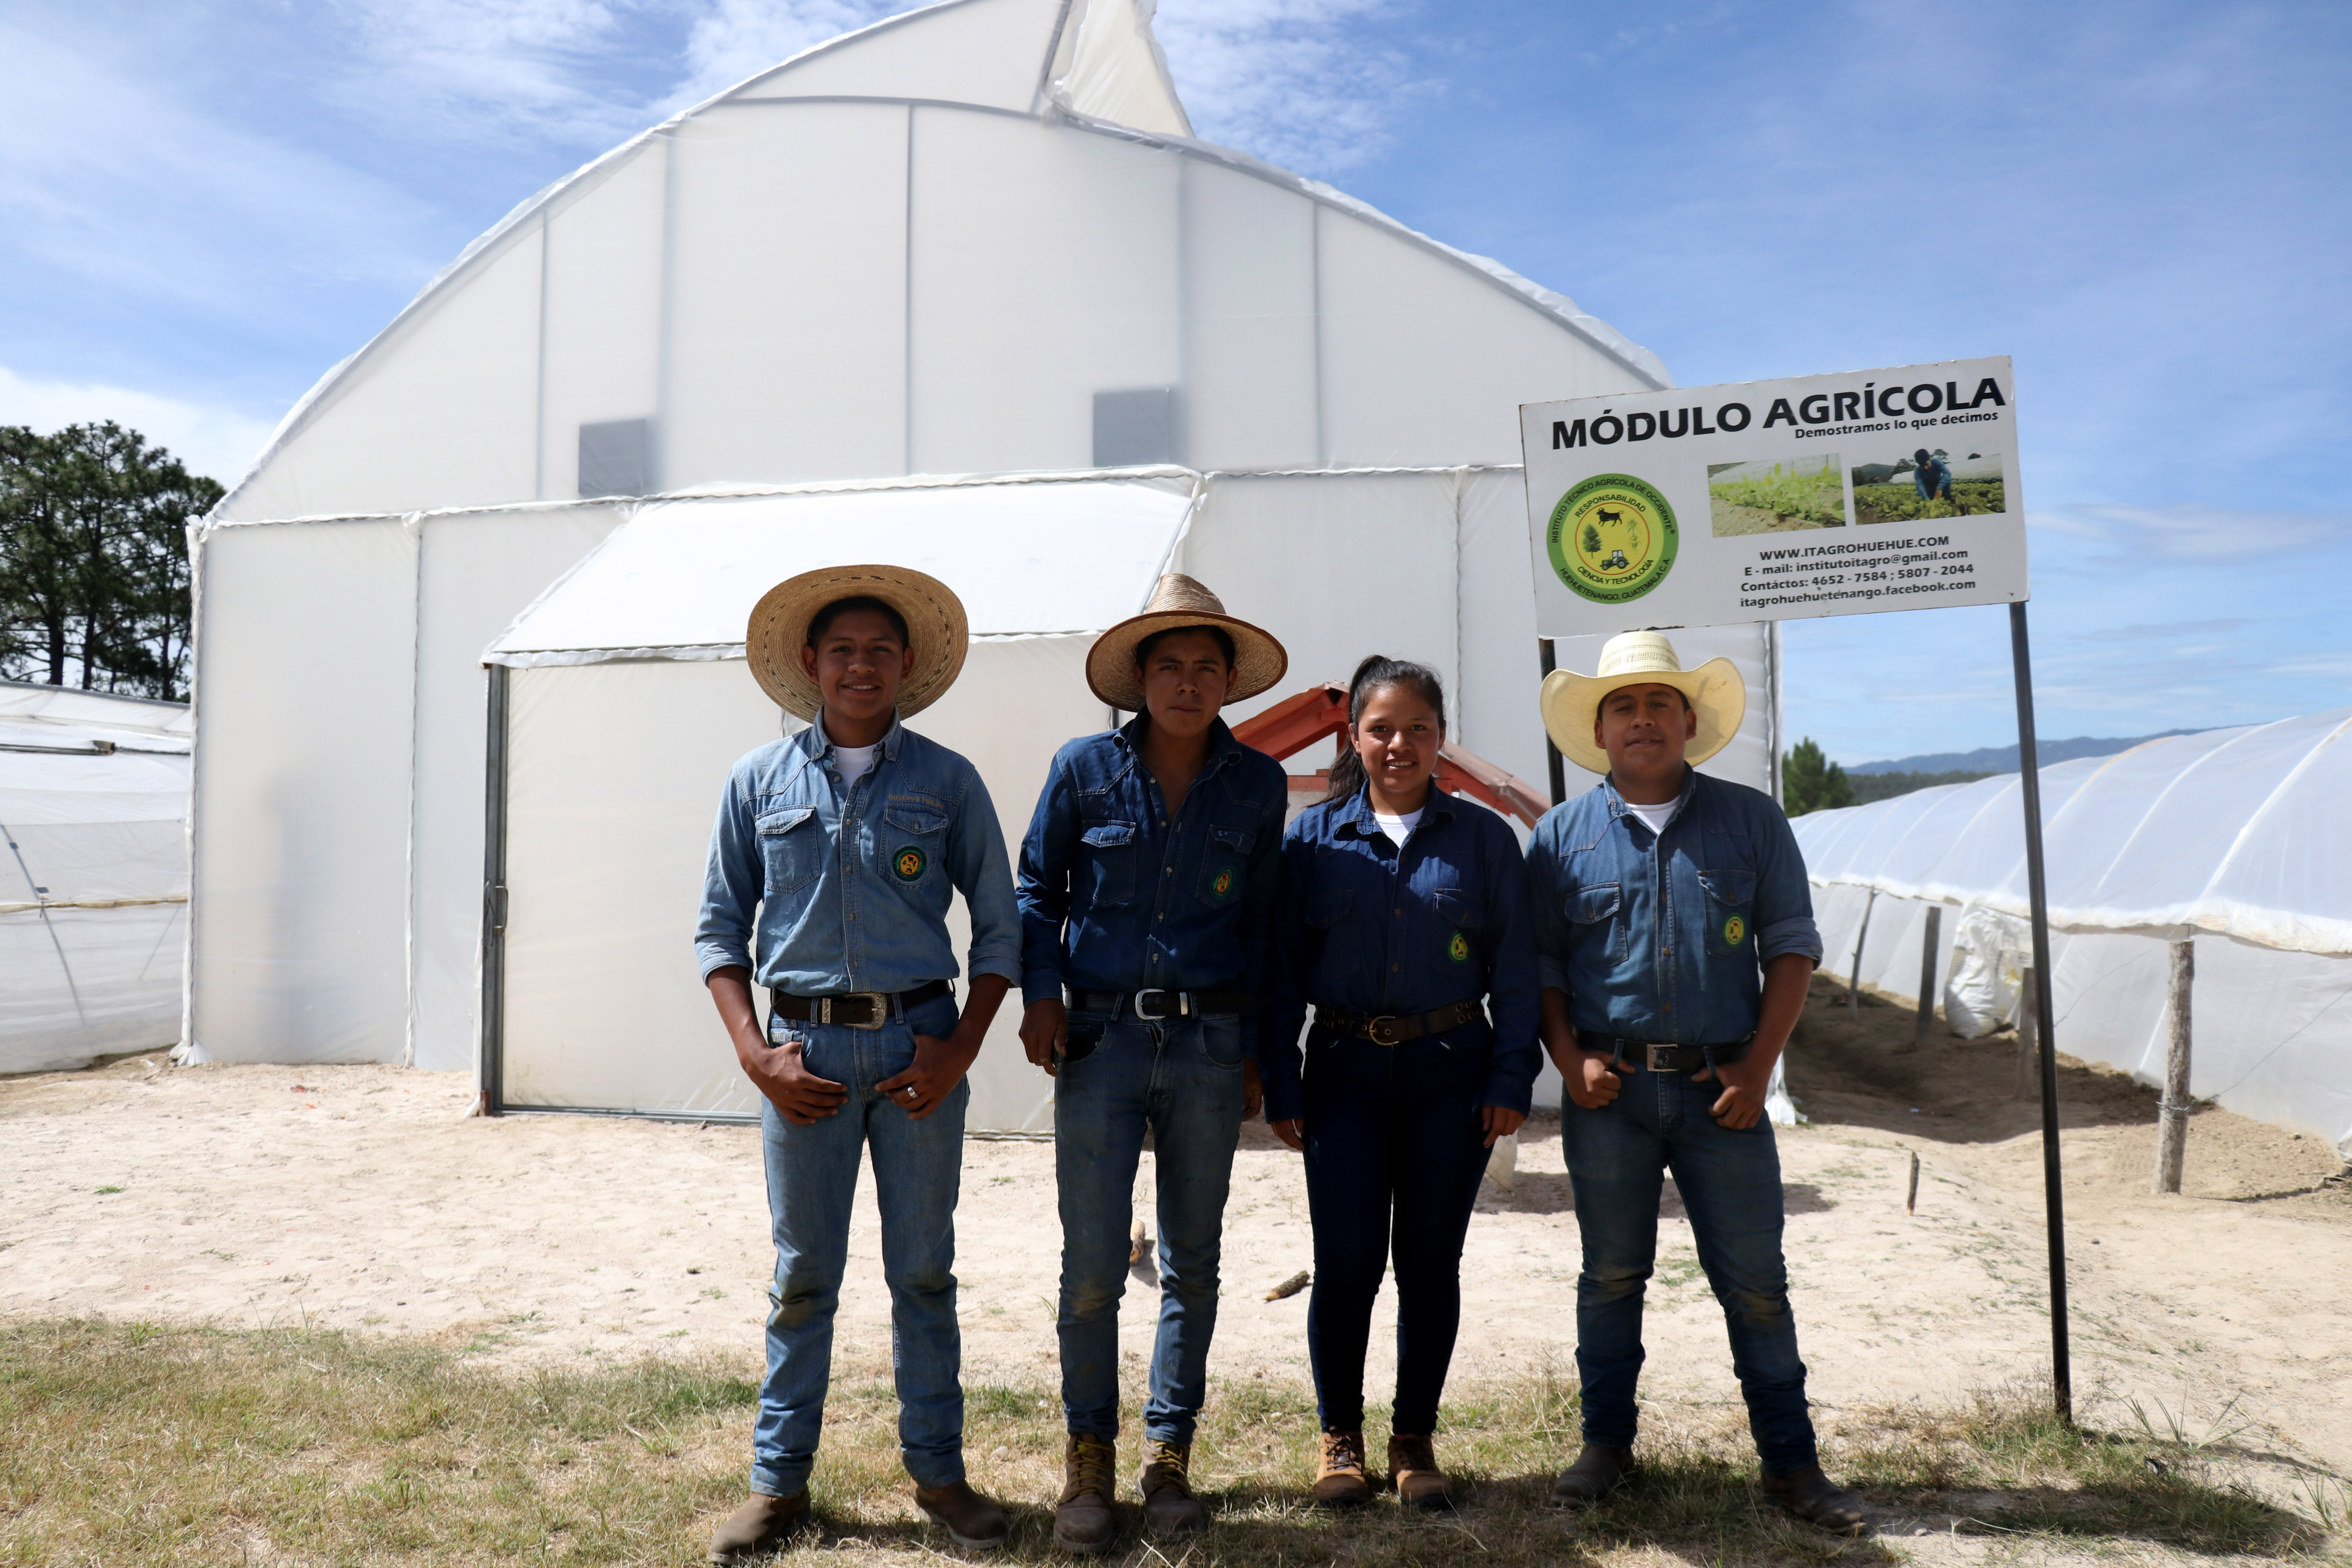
[832,865]
[1675,938]
[1147,888]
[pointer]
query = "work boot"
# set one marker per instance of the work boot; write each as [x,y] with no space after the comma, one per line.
[1082,1518]
[1340,1481]
[1595,1475]
[970,1519]
[1169,1506]
[1817,1499]
[1413,1472]
[759,1527]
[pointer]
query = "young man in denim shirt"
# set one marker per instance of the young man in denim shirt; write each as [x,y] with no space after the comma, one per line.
[1147,884]
[832,865]
[1661,897]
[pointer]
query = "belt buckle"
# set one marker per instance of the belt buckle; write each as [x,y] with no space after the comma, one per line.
[881,1003]
[1659,1057]
[1136,1001]
[1381,1031]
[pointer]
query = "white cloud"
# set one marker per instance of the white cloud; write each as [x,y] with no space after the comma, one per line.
[732,40]
[218,442]
[1292,81]
[2193,531]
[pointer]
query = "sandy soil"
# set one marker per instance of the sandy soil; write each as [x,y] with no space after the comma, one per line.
[364,1198]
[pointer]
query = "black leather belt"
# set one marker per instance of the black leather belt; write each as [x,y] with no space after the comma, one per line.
[858,1009]
[1395,1029]
[1654,1058]
[1157,1006]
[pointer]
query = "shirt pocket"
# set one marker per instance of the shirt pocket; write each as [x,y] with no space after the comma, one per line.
[1595,911]
[1111,852]
[915,830]
[792,847]
[1452,943]
[1730,898]
[1225,865]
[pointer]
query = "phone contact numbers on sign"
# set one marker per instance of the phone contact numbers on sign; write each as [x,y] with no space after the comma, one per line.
[1871,569]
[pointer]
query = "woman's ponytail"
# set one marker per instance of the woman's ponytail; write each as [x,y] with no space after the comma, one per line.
[1372,674]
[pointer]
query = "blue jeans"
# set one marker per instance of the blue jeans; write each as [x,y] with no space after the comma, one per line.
[1182,1082]
[1391,1132]
[1730,1186]
[812,1178]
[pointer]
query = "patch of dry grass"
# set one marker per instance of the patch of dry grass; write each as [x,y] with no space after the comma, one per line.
[132,1444]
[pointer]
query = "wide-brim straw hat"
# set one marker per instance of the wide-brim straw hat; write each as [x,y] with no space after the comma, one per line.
[1717,693]
[1259,660]
[936,629]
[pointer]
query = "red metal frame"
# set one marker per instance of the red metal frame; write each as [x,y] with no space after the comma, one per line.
[1320,713]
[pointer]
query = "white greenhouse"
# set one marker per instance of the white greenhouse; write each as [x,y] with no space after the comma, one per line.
[959,290]
[2235,840]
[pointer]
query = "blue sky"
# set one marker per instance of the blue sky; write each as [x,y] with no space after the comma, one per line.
[204,205]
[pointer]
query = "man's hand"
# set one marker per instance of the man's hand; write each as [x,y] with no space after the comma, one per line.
[1292,1132]
[1741,1103]
[797,1093]
[940,1065]
[1594,1083]
[1044,1030]
[1252,1089]
[1499,1123]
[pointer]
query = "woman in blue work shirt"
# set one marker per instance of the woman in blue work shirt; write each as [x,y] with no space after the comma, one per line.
[1404,918]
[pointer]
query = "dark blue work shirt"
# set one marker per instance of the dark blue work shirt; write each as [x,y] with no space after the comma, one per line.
[1365,925]
[1660,936]
[1116,897]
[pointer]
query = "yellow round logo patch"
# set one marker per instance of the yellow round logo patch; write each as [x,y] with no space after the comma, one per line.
[1221,884]
[1613,538]
[1734,929]
[908,863]
[1457,948]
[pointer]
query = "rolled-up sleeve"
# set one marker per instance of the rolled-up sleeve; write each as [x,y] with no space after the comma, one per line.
[1784,899]
[1047,850]
[981,872]
[1546,901]
[733,881]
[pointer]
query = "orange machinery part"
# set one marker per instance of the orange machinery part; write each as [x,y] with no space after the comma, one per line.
[1320,713]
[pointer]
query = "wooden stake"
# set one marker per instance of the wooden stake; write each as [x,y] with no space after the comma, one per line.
[1853,983]
[1911,1199]
[2172,1111]
[1927,956]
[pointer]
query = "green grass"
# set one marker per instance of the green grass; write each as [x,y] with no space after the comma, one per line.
[1901,502]
[130,1444]
[1816,495]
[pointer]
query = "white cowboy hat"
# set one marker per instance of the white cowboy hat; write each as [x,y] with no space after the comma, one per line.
[1259,660]
[780,621]
[1569,703]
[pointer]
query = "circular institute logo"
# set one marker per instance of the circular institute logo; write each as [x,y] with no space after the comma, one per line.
[1733,929]
[1613,538]
[908,863]
[1223,882]
[1458,948]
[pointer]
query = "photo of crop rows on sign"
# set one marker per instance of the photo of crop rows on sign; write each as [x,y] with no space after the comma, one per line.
[1775,497]
[1948,484]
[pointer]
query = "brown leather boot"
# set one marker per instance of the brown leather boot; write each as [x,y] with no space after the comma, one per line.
[759,1527]
[1817,1499]
[1169,1506]
[1413,1472]
[1595,1475]
[1340,1479]
[1082,1518]
[971,1521]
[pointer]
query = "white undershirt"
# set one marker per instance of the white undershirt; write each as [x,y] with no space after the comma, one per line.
[852,763]
[1657,816]
[1396,827]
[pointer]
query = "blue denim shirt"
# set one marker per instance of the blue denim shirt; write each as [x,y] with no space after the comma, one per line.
[1365,925]
[1116,897]
[1662,937]
[850,889]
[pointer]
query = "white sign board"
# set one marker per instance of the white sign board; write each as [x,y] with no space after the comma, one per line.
[1824,495]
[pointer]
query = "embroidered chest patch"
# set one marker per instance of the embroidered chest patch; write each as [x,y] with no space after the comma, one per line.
[907,864]
[1457,947]
[1222,885]
[1734,929]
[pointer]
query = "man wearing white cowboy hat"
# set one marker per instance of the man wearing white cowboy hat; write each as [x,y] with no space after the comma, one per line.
[832,865]
[1147,891]
[1675,939]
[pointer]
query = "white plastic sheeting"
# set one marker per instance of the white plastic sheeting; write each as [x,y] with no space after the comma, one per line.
[2234,838]
[93,875]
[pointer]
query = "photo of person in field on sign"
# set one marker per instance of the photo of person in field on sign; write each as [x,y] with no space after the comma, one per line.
[1928,482]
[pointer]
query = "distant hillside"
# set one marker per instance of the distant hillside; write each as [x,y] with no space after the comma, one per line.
[1868,787]
[2003,759]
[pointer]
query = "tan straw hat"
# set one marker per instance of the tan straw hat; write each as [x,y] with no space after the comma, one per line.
[1179,601]
[780,623]
[1717,693]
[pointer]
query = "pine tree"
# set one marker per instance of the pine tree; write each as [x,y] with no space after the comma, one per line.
[1810,781]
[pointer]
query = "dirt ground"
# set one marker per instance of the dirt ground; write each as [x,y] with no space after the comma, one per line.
[1729,519]
[365,1198]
